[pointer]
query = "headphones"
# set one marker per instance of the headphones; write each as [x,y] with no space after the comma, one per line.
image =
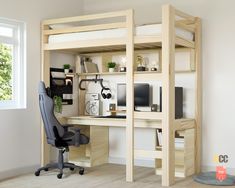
[107,95]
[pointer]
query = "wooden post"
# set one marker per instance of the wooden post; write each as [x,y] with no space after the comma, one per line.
[198,106]
[45,76]
[168,94]
[130,97]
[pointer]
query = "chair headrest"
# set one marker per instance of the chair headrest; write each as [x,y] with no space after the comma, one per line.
[41,87]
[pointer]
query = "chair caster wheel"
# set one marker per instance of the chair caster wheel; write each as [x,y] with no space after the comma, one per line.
[81,171]
[72,169]
[37,173]
[46,169]
[59,176]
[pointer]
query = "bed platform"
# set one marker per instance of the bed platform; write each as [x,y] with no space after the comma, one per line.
[93,34]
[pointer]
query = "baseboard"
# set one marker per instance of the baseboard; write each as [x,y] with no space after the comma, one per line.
[17,172]
[138,162]
[230,171]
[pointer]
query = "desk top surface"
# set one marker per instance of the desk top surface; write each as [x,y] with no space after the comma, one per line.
[117,122]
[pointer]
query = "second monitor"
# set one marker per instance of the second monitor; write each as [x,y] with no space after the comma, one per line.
[141,94]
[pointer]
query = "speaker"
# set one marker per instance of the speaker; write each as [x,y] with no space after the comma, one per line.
[178,102]
[112,107]
[92,104]
[154,108]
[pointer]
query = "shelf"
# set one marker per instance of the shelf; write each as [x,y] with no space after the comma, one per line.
[101,73]
[81,161]
[70,74]
[139,75]
[176,149]
[117,111]
[179,171]
[148,154]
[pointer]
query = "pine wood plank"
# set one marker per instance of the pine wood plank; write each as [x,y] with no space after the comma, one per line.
[168,93]
[129,97]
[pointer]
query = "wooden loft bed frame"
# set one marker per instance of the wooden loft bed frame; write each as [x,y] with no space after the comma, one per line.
[168,41]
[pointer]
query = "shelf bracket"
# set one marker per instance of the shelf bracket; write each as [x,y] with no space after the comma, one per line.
[96,79]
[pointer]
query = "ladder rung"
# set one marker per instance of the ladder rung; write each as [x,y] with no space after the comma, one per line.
[148,154]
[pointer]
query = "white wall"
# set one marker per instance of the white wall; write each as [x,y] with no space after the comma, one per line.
[20,129]
[218,64]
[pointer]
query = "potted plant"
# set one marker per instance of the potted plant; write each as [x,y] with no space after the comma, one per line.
[57,104]
[140,63]
[66,68]
[111,66]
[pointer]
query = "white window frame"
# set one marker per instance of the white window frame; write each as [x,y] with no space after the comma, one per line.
[18,63]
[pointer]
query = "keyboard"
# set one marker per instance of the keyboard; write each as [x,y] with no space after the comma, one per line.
[112,116]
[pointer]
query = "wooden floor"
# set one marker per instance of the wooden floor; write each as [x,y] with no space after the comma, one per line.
[105,176]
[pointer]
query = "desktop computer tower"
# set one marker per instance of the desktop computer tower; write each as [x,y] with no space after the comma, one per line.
[178,102]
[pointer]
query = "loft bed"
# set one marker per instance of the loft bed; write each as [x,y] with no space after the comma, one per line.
[177,29]
[65,34]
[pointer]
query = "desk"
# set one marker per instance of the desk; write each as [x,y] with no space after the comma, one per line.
[180,124]
[97,151]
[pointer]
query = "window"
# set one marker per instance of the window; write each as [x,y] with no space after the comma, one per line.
[12,64]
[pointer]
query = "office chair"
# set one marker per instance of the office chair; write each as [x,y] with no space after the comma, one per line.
[57,135]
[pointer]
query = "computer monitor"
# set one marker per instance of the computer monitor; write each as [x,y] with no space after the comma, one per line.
[141,94]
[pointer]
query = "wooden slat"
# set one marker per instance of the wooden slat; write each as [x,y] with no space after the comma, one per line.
[45,76]
[85,28]
[183,42]
[113,122]
[179,172]
[182,124]
[147,39]
[102,73]
[187,22]
[86,17]
[148,154]
[198,106]
[148,115]
[84,120]
[147,76]
[168,95]
[189,28]
[184,15]
[129,97]
[112,43]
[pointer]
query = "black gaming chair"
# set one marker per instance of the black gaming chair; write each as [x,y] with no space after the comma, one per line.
[57,135]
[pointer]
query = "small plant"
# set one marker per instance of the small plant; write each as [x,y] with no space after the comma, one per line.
[66,66]
[111,65]
[57,104]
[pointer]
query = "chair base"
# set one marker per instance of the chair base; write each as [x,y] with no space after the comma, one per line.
[60,165]
[51,166]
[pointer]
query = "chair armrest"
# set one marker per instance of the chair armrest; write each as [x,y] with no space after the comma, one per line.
[76,131]
[67,126]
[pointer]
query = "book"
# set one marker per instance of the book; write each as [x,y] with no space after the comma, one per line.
[90,67]
[78,64]
[179,142]
[159,136]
